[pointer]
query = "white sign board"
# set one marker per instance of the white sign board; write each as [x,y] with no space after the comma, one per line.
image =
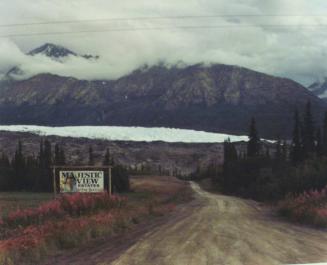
[81,181]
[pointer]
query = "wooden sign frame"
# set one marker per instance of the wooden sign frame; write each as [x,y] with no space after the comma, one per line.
[75,168]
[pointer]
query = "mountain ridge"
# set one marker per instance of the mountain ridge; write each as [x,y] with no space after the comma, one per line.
[215,98]
[319,88]
[219,98]
[54,52]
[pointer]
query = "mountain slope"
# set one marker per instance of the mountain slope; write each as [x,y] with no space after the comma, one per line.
[319,89]
[52,50]
[218,98]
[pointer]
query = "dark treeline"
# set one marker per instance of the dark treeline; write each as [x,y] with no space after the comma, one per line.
[293,168]
[34,172]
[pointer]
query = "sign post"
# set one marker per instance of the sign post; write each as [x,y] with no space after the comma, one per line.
[54,182]
[109,181]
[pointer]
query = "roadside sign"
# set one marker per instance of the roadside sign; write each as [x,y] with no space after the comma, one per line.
[81,181]
[84,179]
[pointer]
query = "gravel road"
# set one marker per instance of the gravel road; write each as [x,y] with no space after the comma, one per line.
[226,230]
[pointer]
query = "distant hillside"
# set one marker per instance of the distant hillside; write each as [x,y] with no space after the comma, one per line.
[319,88]
[217,98]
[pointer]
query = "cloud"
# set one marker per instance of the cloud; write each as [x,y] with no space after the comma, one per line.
[288,51]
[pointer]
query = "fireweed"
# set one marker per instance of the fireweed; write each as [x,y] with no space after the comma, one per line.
[67,222]
[66,205]
[309,207]
[28,236]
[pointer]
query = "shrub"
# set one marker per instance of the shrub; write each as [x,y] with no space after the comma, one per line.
[309,207]
[120,179]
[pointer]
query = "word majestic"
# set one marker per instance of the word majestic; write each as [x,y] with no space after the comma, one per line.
[82,175]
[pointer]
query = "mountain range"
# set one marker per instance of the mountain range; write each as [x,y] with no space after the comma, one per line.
[217,97]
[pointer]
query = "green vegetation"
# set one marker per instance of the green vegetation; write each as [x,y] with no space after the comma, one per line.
[34,173]
[283,174]
[10,201]
[31,234]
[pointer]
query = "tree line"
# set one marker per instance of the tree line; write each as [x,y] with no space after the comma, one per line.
[293,168]
[34,172]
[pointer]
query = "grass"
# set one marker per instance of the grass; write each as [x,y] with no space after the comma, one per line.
[35,238]
[10,201]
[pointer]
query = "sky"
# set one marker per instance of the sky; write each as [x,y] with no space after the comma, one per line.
[279,37]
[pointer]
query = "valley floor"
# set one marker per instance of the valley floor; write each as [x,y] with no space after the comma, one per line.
[214,229]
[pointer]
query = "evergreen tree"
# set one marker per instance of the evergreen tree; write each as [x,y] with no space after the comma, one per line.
[120,179]
[284,151]
[107,158]
[230,165]
[278,153]
[62,156]
[267,153]
[32,173]
[6,173]
[4,161]
[91,157]
[57,155]
[296,150]
[41,154]
[253,147]
[308,132]
[44,182]
[59,158]
[47,177]
[230,153]
[19,167]
[324,136]
[319,145]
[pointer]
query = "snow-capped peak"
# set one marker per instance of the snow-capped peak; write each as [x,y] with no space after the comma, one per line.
[52,50]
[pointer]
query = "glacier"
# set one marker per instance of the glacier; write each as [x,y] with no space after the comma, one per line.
[120,133]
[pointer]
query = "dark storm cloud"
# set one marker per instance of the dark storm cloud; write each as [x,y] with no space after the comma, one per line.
[290,51]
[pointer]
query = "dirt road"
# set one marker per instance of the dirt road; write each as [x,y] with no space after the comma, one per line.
[226,230]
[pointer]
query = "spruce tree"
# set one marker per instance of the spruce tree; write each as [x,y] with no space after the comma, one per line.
[324,136]
[267,153]
[106,159]
[319,146]
[19,167]
[39,186]
[253,147]
[296,150]
[308,132]
[57,155]
[59,158]
[62,156]
[284,151]
[6,173]
[47,178]
[229,166]
[32,172]
[230,153]
[278,153]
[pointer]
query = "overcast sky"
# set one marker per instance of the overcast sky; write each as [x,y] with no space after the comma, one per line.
[294,51]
